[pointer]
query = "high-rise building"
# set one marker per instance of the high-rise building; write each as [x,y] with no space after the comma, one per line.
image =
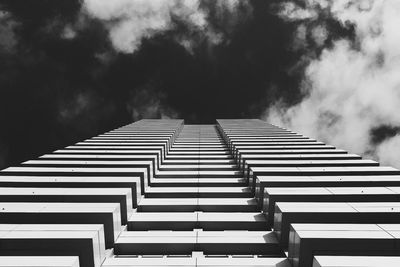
[236,193]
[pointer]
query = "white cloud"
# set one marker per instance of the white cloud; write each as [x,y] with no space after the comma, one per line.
[389,151]
[351,91]
[291,11]
[131,21]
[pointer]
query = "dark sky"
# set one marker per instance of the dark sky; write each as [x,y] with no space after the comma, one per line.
[56,89]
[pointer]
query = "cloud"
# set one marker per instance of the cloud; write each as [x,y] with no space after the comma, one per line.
[129,22]
[68,33]
[388,151]
[148,102]
[72,109]
[8,39]
[353,86]
[319,35]
[292,12]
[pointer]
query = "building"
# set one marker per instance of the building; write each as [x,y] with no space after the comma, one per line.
[237,193]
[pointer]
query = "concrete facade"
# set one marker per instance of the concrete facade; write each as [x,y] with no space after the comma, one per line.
[235,193]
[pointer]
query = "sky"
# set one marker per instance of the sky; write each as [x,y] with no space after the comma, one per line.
[71,69]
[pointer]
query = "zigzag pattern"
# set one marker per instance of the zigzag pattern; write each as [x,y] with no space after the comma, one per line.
[237,193]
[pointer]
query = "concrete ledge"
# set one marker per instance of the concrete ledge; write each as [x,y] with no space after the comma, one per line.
[197,262]
[39,261]
[142,221]
[123,196]
[141,170]
[210,242]
[324,194]
[107,214]
[287,213]
[134,183]
[197,204]
[310,240]
[198,192]
[377,180]
[84,241]
[355,261]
